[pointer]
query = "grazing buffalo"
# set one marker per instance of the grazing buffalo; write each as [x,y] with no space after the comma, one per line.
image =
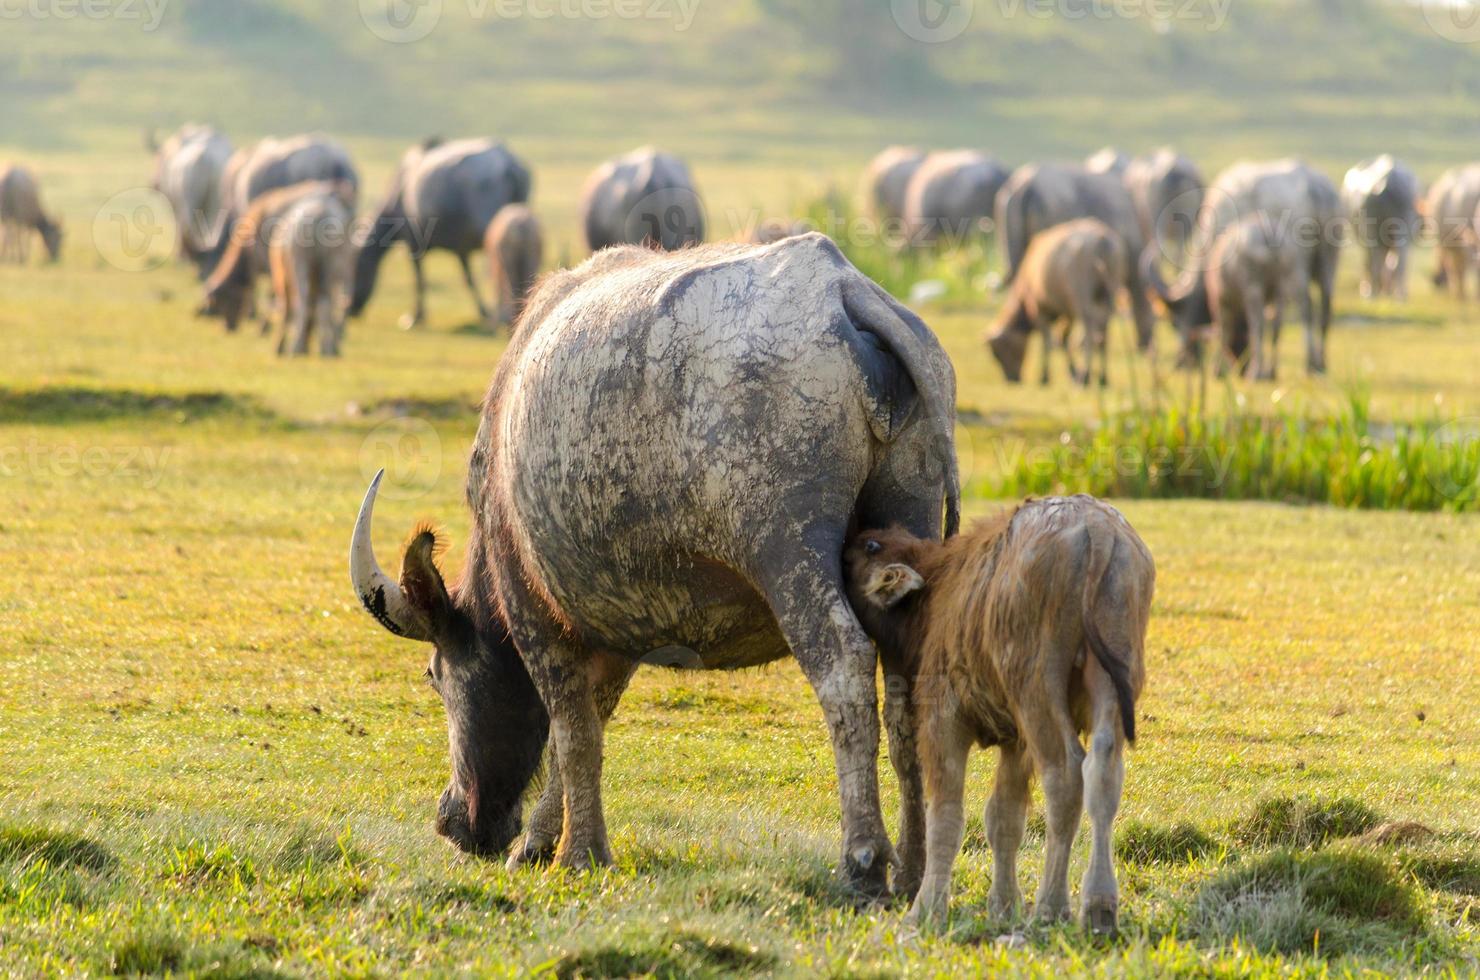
[887,180]
[1381,198]
[514,246]
[950,196]
[1072,273]
[443,196]
[1167,189]
[1252,272]
[188,170]
[644,198]
[1450,209]
[21,214]
[229,290]
[672,451]
[1294,202]
[1039,196]
[312,262]
[1024,633]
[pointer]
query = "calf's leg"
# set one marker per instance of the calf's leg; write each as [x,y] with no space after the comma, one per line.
[947,745]
[1056,749]
[1006,816]
[900,720]
[1104,774]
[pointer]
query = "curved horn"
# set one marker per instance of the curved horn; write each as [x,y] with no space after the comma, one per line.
[1151,275]
[378,593]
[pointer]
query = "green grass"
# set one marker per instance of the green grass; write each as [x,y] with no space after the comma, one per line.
[1233,453]
[216,764]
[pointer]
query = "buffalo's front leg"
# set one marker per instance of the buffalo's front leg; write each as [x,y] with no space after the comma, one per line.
[547,818]
[840,663]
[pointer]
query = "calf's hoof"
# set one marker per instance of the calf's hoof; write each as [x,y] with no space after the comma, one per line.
[583,857]
[531,849]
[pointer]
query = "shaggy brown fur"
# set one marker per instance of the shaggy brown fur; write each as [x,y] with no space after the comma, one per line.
[1025,632]
[1071,272]
[228,291]
[514,246]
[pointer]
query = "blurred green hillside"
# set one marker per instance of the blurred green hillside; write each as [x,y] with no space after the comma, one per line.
[804,82]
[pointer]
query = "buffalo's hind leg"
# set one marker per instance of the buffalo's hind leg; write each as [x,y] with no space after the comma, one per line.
[1005,818]
[804,588]
[1054,742]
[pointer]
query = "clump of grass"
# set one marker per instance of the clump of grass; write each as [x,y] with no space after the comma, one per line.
[1331,902]
[197,864]
[55,847]
[1236,454]
[1304,821]
[672,954]
[1144,843]
[67,404]
[1444,865]
[147,953]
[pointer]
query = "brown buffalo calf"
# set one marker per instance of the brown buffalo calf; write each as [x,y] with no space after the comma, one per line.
[514,246]
[1025,633]
[1071,272]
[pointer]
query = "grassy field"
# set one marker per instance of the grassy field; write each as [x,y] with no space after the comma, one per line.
[213,763]
[216,763]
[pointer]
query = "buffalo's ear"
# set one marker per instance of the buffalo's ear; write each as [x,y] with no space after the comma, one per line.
[891,583]
[422,581]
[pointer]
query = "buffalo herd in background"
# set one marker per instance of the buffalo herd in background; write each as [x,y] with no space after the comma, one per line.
[1256,239]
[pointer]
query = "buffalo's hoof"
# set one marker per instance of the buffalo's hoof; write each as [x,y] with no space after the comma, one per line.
[1100,920]
[410,321]
[579,858]
[866,871]
[530,850]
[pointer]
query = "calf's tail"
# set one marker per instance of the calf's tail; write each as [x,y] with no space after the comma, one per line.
[1115,663]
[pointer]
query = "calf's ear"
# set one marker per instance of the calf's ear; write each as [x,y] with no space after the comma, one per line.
[891,583]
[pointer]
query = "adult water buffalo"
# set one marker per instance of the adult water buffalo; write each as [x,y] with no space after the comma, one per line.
[272,164]
[1039,196]
[188,170]
[442,196]
[1381,198]
[644,198]
[1167,190]
[1107,160]
[888,178]
[672,451]
[1297,203]
[21,214]
[951,196]
[1450,209]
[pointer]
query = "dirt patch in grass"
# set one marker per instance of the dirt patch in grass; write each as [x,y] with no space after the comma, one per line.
[1331,902]
[68,404]
[1144,843]
[1303,821]
[674,954]
[55,847]
[420,408]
